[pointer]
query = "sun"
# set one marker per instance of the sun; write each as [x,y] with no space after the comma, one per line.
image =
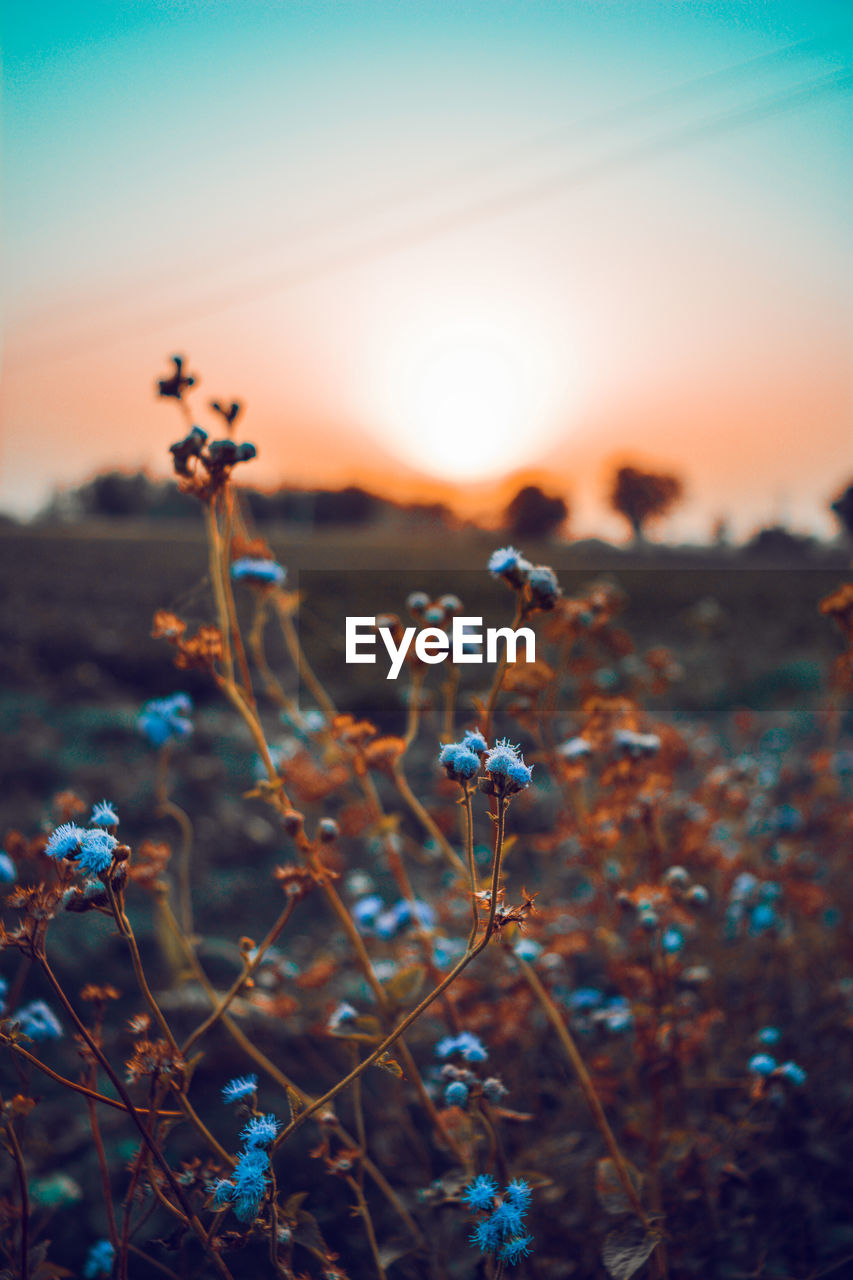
[468,398]
[465,405]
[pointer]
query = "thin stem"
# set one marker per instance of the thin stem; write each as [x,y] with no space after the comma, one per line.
[18,1157]
[225,551]
[472,866]
[157,1154]
[587,1089]
[497,680]
[216,1013]
[419,1009]
[275,1073]
[127,933]
[214,553]
[81,1088]
[425,819]
[105,1173]
[368,1225]
[297,653]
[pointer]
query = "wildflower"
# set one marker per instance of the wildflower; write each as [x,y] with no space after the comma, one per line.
[518,1193]
[164,720]
[518,1247]
[8,870]
[761,1064]
[366,910]
[544,588]
[343,1014]
[505,764]
[769,1035]
[104,815]
[38,1021]
[223,1192]
[96,851]
[460,761]
[417,601]
[636,744]
[487,1235]
[99,1260]
[239,1088]
[574,749]
[260,1131]
[793,1073]
[508,563]
[528,949]
[263,572]
[250,1183]
[474,741]
[469,1046]
[509,1217]
[456,1093]
[672,941]
[584,998]
[494,1089]
[65,839]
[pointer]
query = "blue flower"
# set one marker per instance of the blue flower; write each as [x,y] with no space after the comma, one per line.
[456,1094]
[487,1235]
[96,851]
[480,1194]
[509,1217]
[223,1192]
[543,584]
[38,1021]
[494,1089]
[672,940]
[504,761]
[528,949]
[343,1014]
[260,1131]
[507,560]
[512,1250]
[366,910]
[418,910]
[250,1183]
[761,1064]
[518,1193]
[238,1088]
[8,870]
[584,998]
[253,569]
[459,760]
[769,1035]
[474,741]
[164,720]
[65,839]
[104,815]
[469,1046]
[99,1260]
[794,1073]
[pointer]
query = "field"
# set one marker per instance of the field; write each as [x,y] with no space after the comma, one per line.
[677,916]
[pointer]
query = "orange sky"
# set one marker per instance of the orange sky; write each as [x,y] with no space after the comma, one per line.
[434,252]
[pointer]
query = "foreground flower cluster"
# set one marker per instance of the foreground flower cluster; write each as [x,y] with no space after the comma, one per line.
[538,982]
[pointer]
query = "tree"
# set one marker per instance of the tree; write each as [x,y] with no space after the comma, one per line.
[533,514]
[640,496]
[843,508]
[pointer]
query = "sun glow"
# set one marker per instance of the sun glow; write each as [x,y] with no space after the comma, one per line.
[471,395]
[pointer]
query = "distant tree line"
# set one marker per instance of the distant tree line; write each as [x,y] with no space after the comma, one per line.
[123,495]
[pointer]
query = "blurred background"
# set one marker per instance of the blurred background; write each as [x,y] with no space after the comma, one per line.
[440,250]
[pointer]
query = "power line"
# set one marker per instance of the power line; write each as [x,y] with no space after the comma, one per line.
[486,209]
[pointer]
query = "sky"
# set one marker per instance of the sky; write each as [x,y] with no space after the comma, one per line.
[436,248]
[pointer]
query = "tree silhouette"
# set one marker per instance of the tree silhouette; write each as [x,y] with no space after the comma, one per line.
[639,496]
[533,514]
[843,508]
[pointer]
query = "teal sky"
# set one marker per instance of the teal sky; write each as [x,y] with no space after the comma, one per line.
[164,159]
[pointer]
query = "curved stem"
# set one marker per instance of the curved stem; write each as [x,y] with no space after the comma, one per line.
[587,1088]
[149,1142]
[18,1157]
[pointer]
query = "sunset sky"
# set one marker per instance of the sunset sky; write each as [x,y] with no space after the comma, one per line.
[436,244]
